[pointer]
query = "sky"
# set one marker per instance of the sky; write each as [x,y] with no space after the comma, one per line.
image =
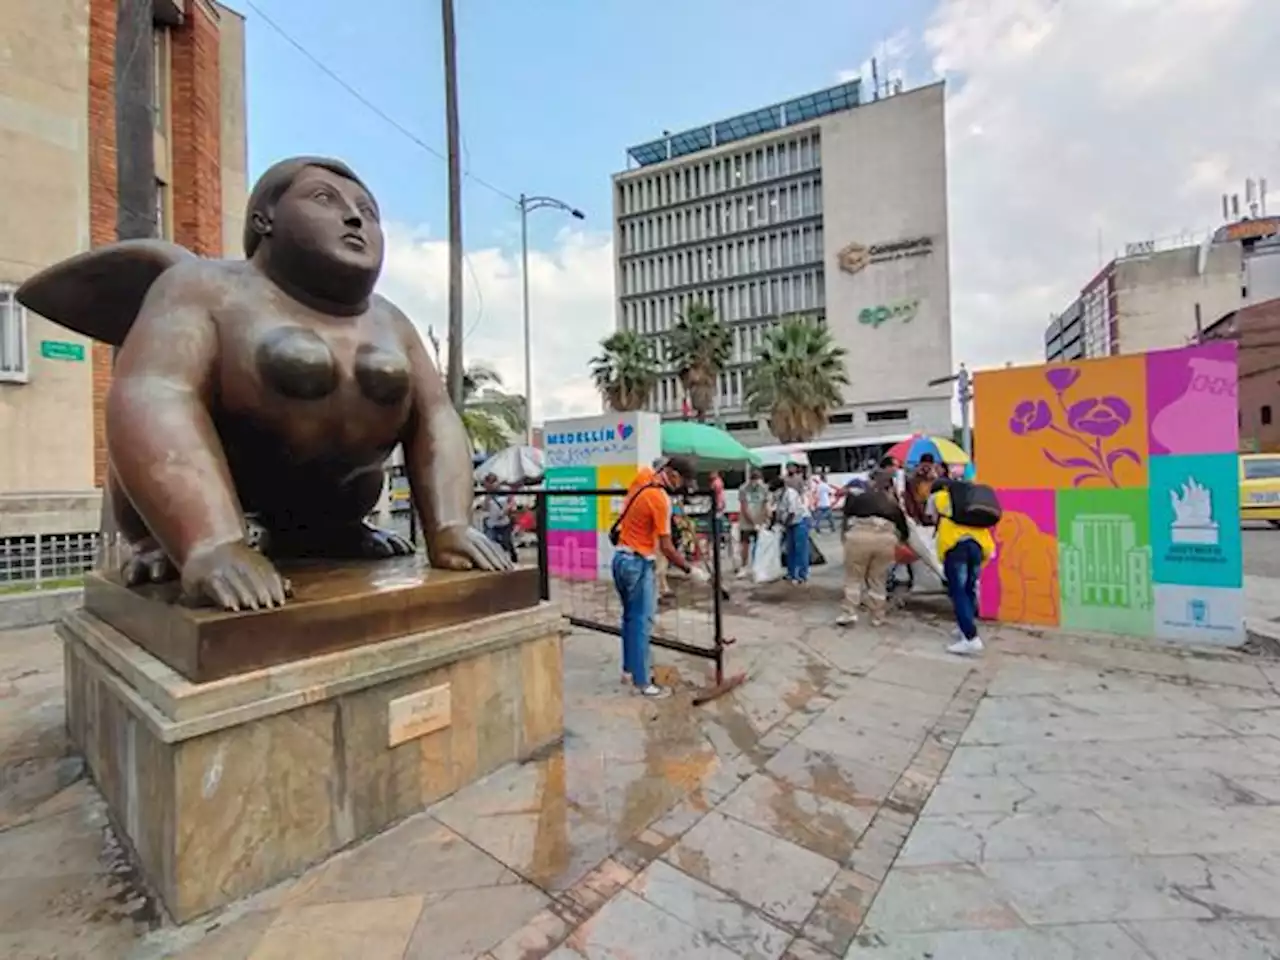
[1074,126]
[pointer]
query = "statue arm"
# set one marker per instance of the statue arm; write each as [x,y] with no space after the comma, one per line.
[437,453]
[163,446]
[437,458]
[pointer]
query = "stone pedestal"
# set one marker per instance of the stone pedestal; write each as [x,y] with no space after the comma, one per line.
[225,787]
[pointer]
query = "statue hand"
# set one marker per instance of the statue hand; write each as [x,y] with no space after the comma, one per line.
[465,548]
[235,577]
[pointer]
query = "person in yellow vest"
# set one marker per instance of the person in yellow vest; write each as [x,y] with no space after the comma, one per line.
[963,551]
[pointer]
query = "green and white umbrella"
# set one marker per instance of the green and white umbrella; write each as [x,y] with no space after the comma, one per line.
[712,447]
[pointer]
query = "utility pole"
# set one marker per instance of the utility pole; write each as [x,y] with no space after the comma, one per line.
[454,377]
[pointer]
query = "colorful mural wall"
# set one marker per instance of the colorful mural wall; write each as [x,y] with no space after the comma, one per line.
[592,453]
[1119,481]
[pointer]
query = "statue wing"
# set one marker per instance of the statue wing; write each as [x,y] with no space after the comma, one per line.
[99,293]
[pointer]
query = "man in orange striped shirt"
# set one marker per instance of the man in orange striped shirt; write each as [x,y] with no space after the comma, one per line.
[644,531]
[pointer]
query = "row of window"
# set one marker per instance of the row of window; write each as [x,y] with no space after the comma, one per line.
[775,250]
[722,217]
[731,386]
[696,180]
[13,336]
[800,292]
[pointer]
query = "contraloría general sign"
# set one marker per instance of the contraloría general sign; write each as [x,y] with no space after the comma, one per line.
[904,310]
[856,256]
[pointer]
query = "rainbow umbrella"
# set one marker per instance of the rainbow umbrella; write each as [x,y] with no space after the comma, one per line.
[909,451]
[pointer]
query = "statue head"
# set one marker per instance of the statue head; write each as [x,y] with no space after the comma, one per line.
[315,227]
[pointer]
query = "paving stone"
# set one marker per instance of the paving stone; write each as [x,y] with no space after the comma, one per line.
[841,911]
[1083,942]
[779,878]
[629,921]
[954,897]
[811,820]
[1199,939]
[711,912]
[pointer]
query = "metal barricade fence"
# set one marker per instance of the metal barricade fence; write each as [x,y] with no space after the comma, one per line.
[589,593]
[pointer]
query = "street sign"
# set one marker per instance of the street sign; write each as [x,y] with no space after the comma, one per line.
[61,350]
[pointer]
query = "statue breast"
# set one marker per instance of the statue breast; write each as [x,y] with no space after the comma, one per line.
[382,374]
[297,363]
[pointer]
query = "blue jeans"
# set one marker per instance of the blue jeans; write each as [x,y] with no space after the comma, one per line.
[634,579]
[962,564]
[798,552]
[823,518]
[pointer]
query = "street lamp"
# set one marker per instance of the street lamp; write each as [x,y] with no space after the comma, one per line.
[964,396]
[526,204]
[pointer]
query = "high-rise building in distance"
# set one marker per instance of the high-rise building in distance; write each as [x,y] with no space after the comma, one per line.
[828,205]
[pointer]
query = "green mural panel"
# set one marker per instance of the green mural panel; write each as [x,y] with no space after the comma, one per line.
[1104,561]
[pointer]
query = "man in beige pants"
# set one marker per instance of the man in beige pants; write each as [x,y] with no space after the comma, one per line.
[874,525]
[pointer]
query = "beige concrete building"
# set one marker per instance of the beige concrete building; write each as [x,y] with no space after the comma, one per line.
[95,147]
[1160,297]
[828,205]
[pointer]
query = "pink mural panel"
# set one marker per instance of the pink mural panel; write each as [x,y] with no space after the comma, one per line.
[1191,399]
[1021,584]
[572,554]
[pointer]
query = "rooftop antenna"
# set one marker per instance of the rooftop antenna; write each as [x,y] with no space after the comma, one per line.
[1235,206]
[1251,196]
[1262,194]
[875,80]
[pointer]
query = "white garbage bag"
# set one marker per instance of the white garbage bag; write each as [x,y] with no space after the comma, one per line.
[767,565]
[923,542]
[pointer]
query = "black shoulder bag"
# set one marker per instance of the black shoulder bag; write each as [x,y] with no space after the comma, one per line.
[615,531]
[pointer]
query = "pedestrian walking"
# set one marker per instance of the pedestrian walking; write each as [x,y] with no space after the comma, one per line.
[753,515]
[873,527]
[823,495]
[499,524]
[641,533]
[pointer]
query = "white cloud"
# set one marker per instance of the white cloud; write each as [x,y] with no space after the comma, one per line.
[1074,121]
[571,308]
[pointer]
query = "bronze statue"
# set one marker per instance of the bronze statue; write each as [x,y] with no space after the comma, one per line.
[254,403]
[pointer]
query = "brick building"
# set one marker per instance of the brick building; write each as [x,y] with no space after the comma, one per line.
[119,119]
[1256,329]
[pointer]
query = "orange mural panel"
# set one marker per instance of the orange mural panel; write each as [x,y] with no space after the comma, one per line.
[1063,426]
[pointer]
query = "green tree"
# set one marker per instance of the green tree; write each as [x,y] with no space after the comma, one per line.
[699,346]
[626,370]
[491,416]
[797,379]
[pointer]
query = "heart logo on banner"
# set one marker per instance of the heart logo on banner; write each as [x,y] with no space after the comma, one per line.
[625,430]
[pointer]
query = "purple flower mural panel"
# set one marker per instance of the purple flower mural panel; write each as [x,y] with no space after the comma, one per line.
[1086,423]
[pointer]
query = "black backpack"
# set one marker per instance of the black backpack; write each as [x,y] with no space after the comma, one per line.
[974,504]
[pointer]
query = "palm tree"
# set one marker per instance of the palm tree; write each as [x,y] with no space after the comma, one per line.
[698,346]
[797,379]
[491,416]
[626,371]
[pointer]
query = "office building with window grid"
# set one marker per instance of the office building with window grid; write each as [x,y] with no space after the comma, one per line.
[829,205]
[119,119]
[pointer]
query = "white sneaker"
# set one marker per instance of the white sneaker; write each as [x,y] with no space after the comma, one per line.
[966,648]
[846,620]
[655,692]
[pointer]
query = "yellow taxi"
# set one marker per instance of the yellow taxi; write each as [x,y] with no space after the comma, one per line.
[1260,487]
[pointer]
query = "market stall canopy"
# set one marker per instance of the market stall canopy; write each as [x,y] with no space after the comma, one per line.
[518,464]
[712,447]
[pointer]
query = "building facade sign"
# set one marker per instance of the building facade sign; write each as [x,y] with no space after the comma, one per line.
[904,310]
[857,256]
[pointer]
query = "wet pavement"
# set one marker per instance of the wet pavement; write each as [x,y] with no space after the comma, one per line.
[861,795]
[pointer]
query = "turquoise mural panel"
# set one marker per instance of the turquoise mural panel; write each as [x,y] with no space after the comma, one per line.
[571,513]
[1195,520]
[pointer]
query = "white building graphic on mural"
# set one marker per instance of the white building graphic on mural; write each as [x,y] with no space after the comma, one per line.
[1103,566]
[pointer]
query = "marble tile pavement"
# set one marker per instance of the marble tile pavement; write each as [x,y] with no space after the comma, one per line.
[863,795]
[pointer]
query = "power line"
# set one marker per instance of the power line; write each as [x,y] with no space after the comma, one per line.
[369,104]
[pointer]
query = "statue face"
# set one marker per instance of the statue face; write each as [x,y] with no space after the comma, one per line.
[328,217]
